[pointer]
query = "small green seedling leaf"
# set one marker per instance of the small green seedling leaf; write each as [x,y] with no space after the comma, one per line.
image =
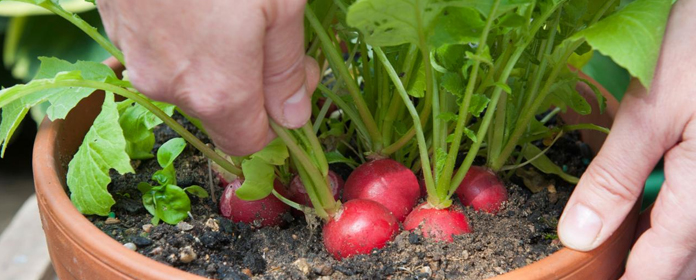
[258,179]
[274,153]
[165,176]
[137,123]
[544,164]
[197,191]
[171,204]
[470,134]
[168,152]
[103,149]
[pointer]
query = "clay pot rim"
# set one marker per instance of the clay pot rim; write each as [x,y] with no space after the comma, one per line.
[81,232]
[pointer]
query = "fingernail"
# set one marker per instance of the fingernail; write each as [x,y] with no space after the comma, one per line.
[296,110]
[579,228]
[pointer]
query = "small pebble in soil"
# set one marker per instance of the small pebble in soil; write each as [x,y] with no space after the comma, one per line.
[247,272]
[130,231]
[425,272]
[212,224]
[111,221]
[147,228]
[130,246]
[323,270]
[142,241]
[302,265]
[156,251]
[184,226]
[187,255]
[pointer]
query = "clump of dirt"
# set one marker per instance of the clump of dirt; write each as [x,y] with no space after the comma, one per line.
[209,245]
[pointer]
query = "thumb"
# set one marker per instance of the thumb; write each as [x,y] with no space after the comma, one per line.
[289,77]
[614,180]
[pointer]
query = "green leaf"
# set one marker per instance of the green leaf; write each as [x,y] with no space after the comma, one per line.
[258,179]
[16,101]
[479,102]
[274,153]
[144,187]
[563,94]
[598,94]
[12,116]
[64,99]
[470,134]
[456,26]
[197,191]
[544,164]
[634,32]
[417,88]
[166,176]
[453,83]
[137,123]
[484,7]
[394,22]
[102,149]
[337,157]
[447,116]
[171,204]
[168,152]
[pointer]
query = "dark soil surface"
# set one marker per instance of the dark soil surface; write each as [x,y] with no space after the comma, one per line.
[211,246]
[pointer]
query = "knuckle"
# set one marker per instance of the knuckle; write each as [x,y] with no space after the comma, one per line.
[609,183]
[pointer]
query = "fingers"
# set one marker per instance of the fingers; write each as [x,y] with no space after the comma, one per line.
[286,80]
[667,249]
[614,180]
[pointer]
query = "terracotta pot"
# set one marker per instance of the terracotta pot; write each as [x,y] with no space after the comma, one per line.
[79,250]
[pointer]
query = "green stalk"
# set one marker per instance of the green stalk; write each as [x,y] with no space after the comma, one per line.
[288,201]
[528,113]
[317,151]
[85,27]
[464,110]
[473,151]
[422,147]
[338,65]
[396,103]
[321,189]
[354,117]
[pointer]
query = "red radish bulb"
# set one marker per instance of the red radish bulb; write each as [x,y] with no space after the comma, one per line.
[482,190]
[267,211]
[437,224]
[359,227]
[385,181]
[298,193]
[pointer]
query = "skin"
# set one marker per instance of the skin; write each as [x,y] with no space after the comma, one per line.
[225,62]
[215,61]
[648,125]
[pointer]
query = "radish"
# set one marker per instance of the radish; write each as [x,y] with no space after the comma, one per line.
[437,224]
[385,181]
[298,193]
[359,227]
[263,212]
[482,190]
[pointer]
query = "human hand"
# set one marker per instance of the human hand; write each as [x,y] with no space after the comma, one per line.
[647,126]
[229,63]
